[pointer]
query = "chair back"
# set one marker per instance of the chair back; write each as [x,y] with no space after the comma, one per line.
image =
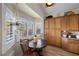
[24,45]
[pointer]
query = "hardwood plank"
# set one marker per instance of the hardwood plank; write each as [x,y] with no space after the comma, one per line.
[54,51]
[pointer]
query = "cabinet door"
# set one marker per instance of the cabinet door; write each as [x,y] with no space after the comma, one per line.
[74,48]
[52,23]
[65,43]
[58,37]
[52,37]
[67,18]
[51,31]
[74,23]
[63,24]
[58,23]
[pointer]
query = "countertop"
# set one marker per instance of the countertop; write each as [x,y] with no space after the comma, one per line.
[72,40]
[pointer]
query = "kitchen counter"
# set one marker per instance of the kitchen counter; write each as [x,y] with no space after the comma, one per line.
[72,39]
[71,45]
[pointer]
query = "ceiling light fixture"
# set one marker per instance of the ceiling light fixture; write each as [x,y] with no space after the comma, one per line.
[49,4]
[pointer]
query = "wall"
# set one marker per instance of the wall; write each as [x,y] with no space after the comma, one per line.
[0,29]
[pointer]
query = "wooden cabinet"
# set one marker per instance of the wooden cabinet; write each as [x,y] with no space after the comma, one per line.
[74,21]
[58,37]
[57,23]
[67,18]
[65,43]
[70,23]
[52,23]
[70,45]
[52,31]
[65,25]
[58,32]
[74,48]
[54,34]
[52,37]
[54,26]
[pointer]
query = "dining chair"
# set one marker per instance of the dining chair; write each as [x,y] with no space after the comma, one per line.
[24,46]
[26,50]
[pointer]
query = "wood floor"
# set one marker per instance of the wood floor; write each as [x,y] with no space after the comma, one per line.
[54,51]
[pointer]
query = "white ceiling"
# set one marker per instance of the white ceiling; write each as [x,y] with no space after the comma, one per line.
[59,7]
[26,9]
[37,10]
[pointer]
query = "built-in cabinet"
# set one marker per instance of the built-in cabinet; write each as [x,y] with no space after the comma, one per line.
[64,43]
[74,21]
[71,45]
[65,23]
[52,31]
[53,28]
[58,31]
[70,23]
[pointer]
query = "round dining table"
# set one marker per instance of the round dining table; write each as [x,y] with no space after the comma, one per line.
[37,46]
